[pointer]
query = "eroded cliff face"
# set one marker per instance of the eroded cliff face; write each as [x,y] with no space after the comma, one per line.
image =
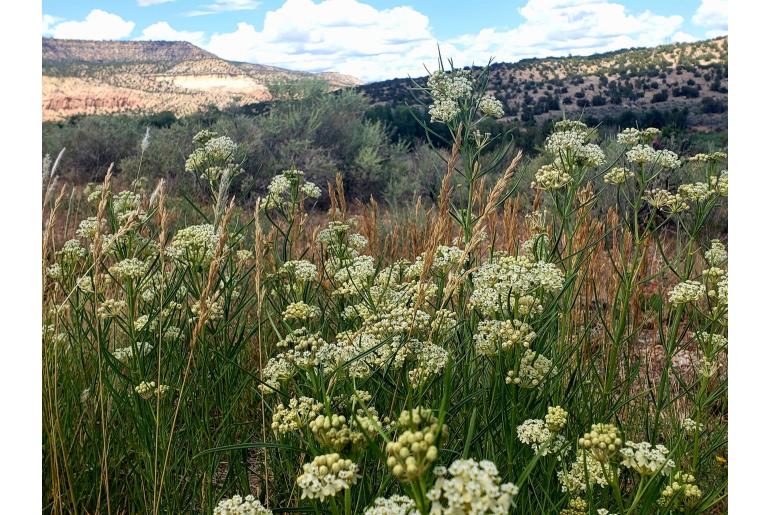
[102,77]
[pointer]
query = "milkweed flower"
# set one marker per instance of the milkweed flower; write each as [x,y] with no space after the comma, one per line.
[695,192]
[326,476]
[490,106]
[556,418]
[194,245]
[550,177]
[629,136]
[618,175]
[238,505]
[687,291]
[720,184]
[301,311]
[682,494]
[149,390]
[603,441]
[410,455]
[646,459]
[129,269]
[534,368]
[393,505]
[537,434]
[471,487]
[717,254]
[585,470]
[297,415]
[124,354]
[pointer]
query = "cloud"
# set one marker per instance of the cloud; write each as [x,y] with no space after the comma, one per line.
[355,38]
[220,6]
[48,23]
[97,25]
[683,37]
[146,3]
[562,27]
[162,31]
[712,14]
[342,35]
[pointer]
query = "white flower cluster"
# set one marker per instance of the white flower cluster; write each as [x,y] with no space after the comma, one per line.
[71,252]
[645,154]
[695,192]
[125,203]
[111,308]
[681,495]
[296,416]
[569,145]
[213,156]
[632,136]
[518,281]
[646,459]
[664,199]
[150,390]
[490,106]
[393,505]
[719,184]
[533,369]
[238,505]
[194,245]
[493,336]
[447,89]
[353,276]
[713,157]
[585,470]
[88,228]
[690,426]
[54,271]
[301,311]
[536,433]
[716,256]
[129,269]
[550,177]
[687,291]
[285,189]
[471,487]
[337,236]
[300,270]
[124,354]
[431,360]
[326,476]
[618,175]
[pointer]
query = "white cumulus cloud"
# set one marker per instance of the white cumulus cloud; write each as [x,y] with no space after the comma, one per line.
[355,38]
[48,23]
[562,27]
[342,35]
[146,3]
[712,14]
[162,31]
[220,6]
[97,25]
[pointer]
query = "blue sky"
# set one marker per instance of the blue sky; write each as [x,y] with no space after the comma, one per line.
[376,39]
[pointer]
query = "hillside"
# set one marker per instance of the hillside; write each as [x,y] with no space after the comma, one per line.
[101,77]
[677,76]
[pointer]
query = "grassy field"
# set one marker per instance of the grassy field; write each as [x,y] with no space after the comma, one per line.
[552,341]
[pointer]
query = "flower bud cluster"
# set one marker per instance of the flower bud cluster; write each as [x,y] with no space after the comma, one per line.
[415,449]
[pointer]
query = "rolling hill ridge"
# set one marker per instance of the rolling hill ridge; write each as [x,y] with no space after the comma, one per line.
[101,77]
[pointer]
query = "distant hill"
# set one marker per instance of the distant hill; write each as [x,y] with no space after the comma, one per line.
[100,77]
[667,77]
